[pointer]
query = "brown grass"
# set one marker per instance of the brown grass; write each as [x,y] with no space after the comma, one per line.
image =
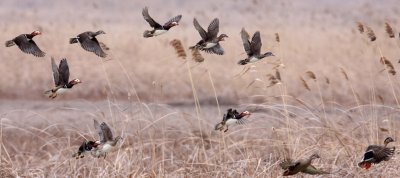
[166,109]
[389,30]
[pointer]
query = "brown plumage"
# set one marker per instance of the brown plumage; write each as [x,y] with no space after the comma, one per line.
[303,165]
[26,44]
[89,42]
[375,154]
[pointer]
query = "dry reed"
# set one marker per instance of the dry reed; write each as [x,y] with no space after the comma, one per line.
[304,83]
[196,55]
[389,30]
[180,51]
[370,33]
[388,64]
[360,27]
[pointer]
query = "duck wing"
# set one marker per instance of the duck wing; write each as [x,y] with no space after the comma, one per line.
[63,71]
[29,46]
[99,131]
[92,45]
[56,75]
[200,29]
[256,43]
[175,19]
[108,136]
[150,20]
[246,43]
[213,29]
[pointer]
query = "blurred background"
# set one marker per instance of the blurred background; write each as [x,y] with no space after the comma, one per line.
[317,36]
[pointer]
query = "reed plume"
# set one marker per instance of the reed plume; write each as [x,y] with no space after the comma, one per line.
[274,79]
[277,39]
[178,48]
[196,55]
[360,27]
[388,64]
[370,34]
[304,83]
[311,75]
[389,30]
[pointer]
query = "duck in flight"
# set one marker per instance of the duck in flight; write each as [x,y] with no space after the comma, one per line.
[252,48]
[89,42]
[209,39]
[158,29]
[61,77]
[26,44]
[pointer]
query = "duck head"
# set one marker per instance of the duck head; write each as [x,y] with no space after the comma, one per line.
[267,54]
[100,32]
[73,82]
[388,140]
[245,113]
[222,37]
[36,32]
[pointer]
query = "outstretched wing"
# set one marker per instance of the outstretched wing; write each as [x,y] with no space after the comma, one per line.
[200,29]
[246,43]
[175,19]
[30,47]
[256,43]
[217,49]
[213,29]
[106,132]
[92,45]
[150,20]
[99,131]
[63,72]
[56,75]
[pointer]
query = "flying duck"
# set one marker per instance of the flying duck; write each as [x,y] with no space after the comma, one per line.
[26,44]
[303,165]
[376,153]
[210,39]
[252,48]
[230,118]
[85,148]
[107,142]
[157,28]
[60,77]
[89,42]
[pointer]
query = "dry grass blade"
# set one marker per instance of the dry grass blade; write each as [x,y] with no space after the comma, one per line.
[311,75]
[304,83]
[196,56]
[277,39]
[344,73]
[389,30]
[360,27]
[178,48]
[388,64]
[370,34]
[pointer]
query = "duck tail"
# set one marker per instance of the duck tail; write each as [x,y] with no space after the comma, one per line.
[10,43]
[73,40]
[242,62]
[147,34]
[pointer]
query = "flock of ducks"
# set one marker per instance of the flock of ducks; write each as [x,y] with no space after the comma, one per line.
[209,43]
